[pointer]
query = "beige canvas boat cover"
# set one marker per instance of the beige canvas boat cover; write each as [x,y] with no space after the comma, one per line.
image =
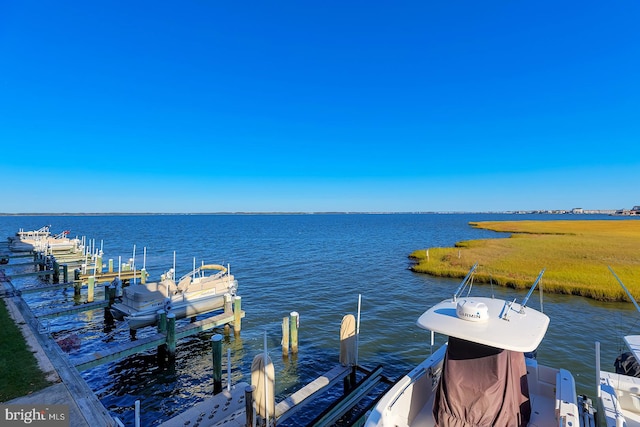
[482,386]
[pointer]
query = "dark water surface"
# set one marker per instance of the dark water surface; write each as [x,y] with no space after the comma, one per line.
[316,265]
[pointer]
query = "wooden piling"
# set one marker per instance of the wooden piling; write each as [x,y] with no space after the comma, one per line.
[91,285]
[237,314]
[285,336]
[248,404]
[294,323]
[56,272]
[216,351]
[65,273]
[98,268]
[171,335]
[228,304]
[110,266]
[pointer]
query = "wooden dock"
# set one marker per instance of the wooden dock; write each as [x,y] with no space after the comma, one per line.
[153,341]
[228,408]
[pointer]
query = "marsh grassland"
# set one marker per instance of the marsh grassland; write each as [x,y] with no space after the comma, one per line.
[575,253]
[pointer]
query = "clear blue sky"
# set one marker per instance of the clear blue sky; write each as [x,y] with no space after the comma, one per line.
[222,106]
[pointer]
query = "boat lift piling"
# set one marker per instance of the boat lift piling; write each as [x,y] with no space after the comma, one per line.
[216,353]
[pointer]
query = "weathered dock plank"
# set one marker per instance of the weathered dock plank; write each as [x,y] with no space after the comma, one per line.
[226,408]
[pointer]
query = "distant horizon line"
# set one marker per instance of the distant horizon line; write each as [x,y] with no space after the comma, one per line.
[514,212]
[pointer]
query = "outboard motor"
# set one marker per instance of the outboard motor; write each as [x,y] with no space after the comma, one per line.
[626,364]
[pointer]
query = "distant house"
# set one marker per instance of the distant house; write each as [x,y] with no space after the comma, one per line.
[577,211]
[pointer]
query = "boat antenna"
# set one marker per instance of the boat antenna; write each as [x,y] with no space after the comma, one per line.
[524,301]
[458,291]
[633,300]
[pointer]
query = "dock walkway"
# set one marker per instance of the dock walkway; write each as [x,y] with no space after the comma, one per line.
[85,410]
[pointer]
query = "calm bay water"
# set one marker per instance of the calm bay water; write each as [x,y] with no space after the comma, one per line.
[316,265]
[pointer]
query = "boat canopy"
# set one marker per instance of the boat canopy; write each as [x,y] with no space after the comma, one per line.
[492,322]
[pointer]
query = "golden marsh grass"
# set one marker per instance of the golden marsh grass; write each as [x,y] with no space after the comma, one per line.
[575,254]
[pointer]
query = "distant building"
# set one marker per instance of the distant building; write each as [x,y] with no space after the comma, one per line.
[629,212]
[577,211]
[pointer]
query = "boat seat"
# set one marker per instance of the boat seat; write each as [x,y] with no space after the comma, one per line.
[184,284]
[628,390]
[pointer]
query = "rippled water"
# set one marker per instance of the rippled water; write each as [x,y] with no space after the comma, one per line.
[316,265]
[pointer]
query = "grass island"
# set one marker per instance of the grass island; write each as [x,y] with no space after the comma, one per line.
[575,253]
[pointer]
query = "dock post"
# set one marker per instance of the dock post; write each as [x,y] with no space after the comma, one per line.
[294,323]
[162,328]
[285,336]
[111,266]
[137,413]
[56,271]
[162,321]
[237,314]
[92,282]
[65,273]
[216,350]
[77,283]
[228,304]
[98,268]
[248,405]
[171,335]
[143,276]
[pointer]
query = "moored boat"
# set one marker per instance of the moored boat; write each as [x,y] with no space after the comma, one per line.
[619,392]
[195,293]
[482,376]
[42,240]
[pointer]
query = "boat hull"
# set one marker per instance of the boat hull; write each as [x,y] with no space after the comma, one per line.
[180,310]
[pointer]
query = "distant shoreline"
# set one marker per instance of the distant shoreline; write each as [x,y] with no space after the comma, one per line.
[595,212]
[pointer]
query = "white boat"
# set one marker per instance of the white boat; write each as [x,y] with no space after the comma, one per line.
[619,392]
[42,240]
[481,376]
[195,293]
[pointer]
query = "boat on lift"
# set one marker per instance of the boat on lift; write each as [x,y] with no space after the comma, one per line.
[195,293]
[485,374]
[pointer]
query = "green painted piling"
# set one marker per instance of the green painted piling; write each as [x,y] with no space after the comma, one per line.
[56,272]
[171,335]
[98,264]
[237,314]
[162,321]
[110,266]
[143,276]
[294,323]
[216,351]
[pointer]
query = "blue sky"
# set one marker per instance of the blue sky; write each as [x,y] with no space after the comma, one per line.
[209,106]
